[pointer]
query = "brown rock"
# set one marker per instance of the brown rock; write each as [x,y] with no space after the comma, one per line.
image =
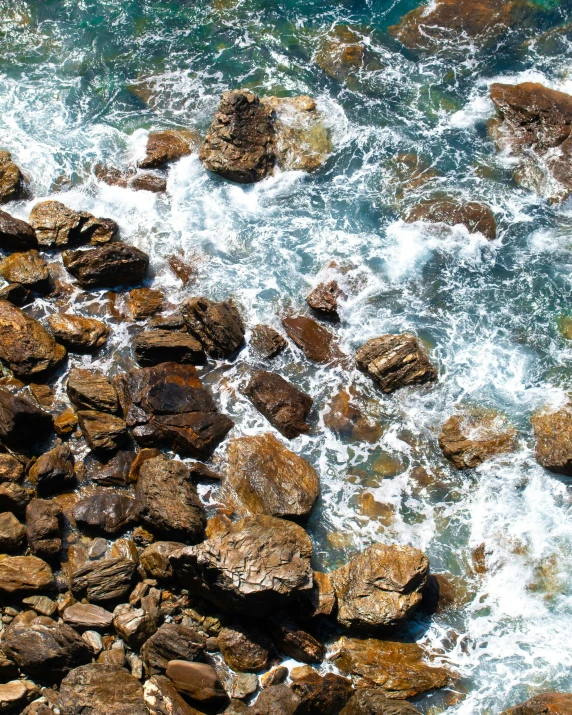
[173,321]
[87,615]
[277,700]
[21,421]
[171,642]
[16,694]
[78,334]
[145,302]
[135,625]
[477,218]
[370,701]
[395,361]
[217,326]
[106,510]
[15,235]
[12,533]
[162,699]
[11,179]
[267,342]
[43,395]
[276,676]
[155,559]
[108,266]
[148,182]
[324,298]
[156,346]
[55,224]
[98,688]
[243,649]
[24,574]
[104,580]
[341,53]
[185,270]
[197,680]
[97,230]
[66,422]
[296,643]
[284,406]
[54,470]
[553,432]
[110,472]
[167,146]
[103,432]
[14,497]
[28,269]
[317,343]
[91,390]
[347,420]
[322,695]
[469,440]
[544,704]
[323,597]
[43,527]
[140,458]
[16,294]
[11,470]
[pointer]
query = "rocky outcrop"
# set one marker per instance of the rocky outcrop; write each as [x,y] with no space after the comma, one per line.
[100,688]
[477,218]
[167,146]
[54,470]
[108,266]
[27,268]
[103,432]
[11,179]
[106,510]
[104,580]
[21,421]
[245,650]
[57,226]
[15,234]
[171,642]
[217,326]
[43,524]
[265,477]
[553,432]
[153,347]
[395,361]
[90,390]
[544,704]
[78,334]
[24,574]
[12,533]
[284,406]
[267,342]
[145,302]
[370,701]
[324,298]
[470,439]
[315,341]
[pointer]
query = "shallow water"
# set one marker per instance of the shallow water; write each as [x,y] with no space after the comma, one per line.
[82,82]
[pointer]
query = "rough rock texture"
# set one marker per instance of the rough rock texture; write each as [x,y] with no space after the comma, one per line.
[17,294]
[469,440]
[54,470]
[16,235]
[112,265]
[217,326]
[78,334]
[103,432]
[135,625]
[477,218]
[295,642]
[87,615]
[553,432]
[283,405]
[15,694]
[324,298]
[278,700]
[14,497]
[111,472]
[167,406]
[240,143]
[11,470]
[43,521]
[27,268]
[544,704]
[267,342]
[22,574]
[366,701]
[91,390]
[58,226]
[265,477]
[25,345]
[166,146]
[395,361]
[244,649]
[322,695]
[22,421]
[315,341]
[104,580]
[162,699]
[156,346]
[12,533]
[380,587]
[106,510]
[98,688]
[148,182]
[171,642]
[167,501]
[155,559]
[399,670]
[347,420]
[11,179]
[145,302]
[253,565]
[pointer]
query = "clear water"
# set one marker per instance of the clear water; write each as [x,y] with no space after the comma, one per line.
[82,82]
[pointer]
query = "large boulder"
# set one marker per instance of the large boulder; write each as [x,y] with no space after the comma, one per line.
[283,405]
[316,342]
[217,326]
[25,345]
[265,477]
[105,510]
[78,334]
[43,527]
[11,179]
[24,574]
[254,565]
[15,234]
[99,688]
[370,701]
[544,704]
[167,146]
[90,390]
[395,361]
[107,266]
[553,432]
[27,268]
[167,406]
[152,347]
[477,218]
[54,470]
[22,422]
[470,439]
[103,580]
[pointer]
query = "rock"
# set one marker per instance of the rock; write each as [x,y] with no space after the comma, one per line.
[369,701]
[17,294]
[171,642]
[145,302]
[106,510]
[104,580]
[265,477]
[43,394]
[317,343]
[322,695]
[54,470]
[254,565]
[469,440]
[544,704]
[240,143]
[277,700]
[97,688]
[103,432]
[167,406]
[347,420]
[11,470]
[156,346]
[78,334]
[14,497]
[41,604]
[553,433]
[112,265]
[267,342]
[111,472]
[244,649]
[21,574]
[97,230]
[15,235]
[94,640]
[58,226]
[217,326]
[66,422]
[395,361]
[162,699]
[135,625]
[274,677]
[284,406]
[87,615]
[91,390]
[11,179]
[28,269]
[167,146]
[198,681]
[25,345]
[14,694]
[22,421]
[155,559]
[12,533]
[380,587]
[398,670]
[43,527]
[296,643]
[324,298]
[322,600]
[149,182]
[477,218]
[240,686]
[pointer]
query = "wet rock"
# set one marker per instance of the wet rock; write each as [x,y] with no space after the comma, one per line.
[254,565]
[14,497]
[12,533]
[296,643]
[185,270]
[240,686]
[284,406]
[278,700]
[324,298]
[91,390]
[141,457]
[347,420]
[43,527]
[369,701]
[167,501]
[21,574]
[167,406]
[17,294]
[322,599]
[54,470]
[217,326]
[265,477]
[28,269]
[105,510]
[240,143]
[78,334]
[398,670]
[11,179]
[167,146]
[108,266]
[477,218]
[469,440]
[16,235]
[99,688]
[97,230]
[105,579]
[149,182]
[174,321]
[162,698]
[244,649]
[43,395]
[156,346]
[171,642]
[544,704]
[111,472]
[267,342]
[341,53]
[553,433]
[317,343]
[87,615]
[25,345]
[65,423]
[21,421]
[58,226]
[322,695]
[103,432]
[198,681]
[395,361]
[145,302]
[155,559]
[135,625]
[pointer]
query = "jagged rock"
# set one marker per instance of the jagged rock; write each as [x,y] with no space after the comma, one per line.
[217,326]
[78,334]
[553,432]
[108,266]
[322,695]
[167,406]
[15,235]
[21,421]
[283,405]
[21,574]
[167,501]
[14,497]
[544,704]
[98,688]
[11,470]
[91,390]
[278,700]
[54,470]
[324,298]
[58,226]
[145,302]
[11,179]
[315,341]
[245,650]
[97,230]
[17,294]
[171,642]
[477,218]
[12,533]
[43,527]
[104,580]
[267,342]
[173,321]
[135,625]
[162,699]
[103,432]
[240,143]
[167,146]
[155,559]
[87,615]
[156,346]
[106,510]
[25,345]
[254,565]
[397,670]
[295,642]
[369,701]
[347,420]
[469,440]
[66,422]
[197,680]
[111,472]
[28,269]
[265,477]
[395,361]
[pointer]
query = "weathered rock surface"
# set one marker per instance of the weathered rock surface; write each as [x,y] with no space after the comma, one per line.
[103,432]
[295,642]
[27,268]
[477,218]
[553,432]
[11,179]
[245,650]
[167,146]
[156,346]
[112,265]
[98,688]
[15,695]
[78,334]
[155,559]
[135,625]
[265,477]
[58,226]
[469,440]
[267,342]
[145,302]
[43,522]
[278,700]
[369,701]
[167,501]
[253,565]
[147,181]
[395,361]
[283,405]
[347,420]
[15,497]
[25,345]
[324,298]
[544,704]
[171,642]
[12,533]
[15,234]
[91,390]
[22,421]
[21,574]
[104,580]
[106,510]
[197,680]
[217,326]
[54,470]
[11,470]
[162,698]
[87,615]
[327,694]
[315,341]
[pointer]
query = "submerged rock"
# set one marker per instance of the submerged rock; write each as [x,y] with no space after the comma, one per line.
[167,146]
[15,234]
[217,326]
[100,688]
[347,420]
[267,342]
[78,334]
[283,405]
[316,342]
[156,346]
[477,218]
[11,179]
[24,574]
[91,390]
[27,268]
[469,440]
[22,422]
[108,266]
[43,526]
[553,432]
[544,704]
[341,53]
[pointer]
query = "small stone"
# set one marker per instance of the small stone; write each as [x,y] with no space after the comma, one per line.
[197,680]
[297,643]
[183,269]
[167,146]
[94,641]
[145,302]
[12,533]
[327,694]
[13,695]
[267,342]
[28,269]
[90,390]
[148,182]
[242,685]
[155,559]
[370,701]
[43,527]
[66,422]
[134,625]
[284,406]
[54,223]
[78,334]
[279,699]
[162,698]
[103,432]
[43,394]
[87,615]
[276,676]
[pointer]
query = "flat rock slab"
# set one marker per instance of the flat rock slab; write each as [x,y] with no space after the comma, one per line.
[98,688]
[87,615]
[156,346]
[24,574]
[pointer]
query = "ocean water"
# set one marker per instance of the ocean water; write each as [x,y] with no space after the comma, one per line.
[83,81]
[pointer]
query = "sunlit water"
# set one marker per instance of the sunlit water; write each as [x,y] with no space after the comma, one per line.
[82,82]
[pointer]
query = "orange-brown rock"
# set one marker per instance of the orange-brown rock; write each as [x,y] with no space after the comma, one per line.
[322,694]
[103,432]
[15,234]
[107,266]
[283,405]
[244,649]
[544,704]
[167,146]
[78,334]
[27,268]
[197,680]
[267,342]
[22,574]
[145,302]
[152,347]
[324,298]
[470,439]
[347,420]
[90,390]
[11,179]
[553,432]
[341,52]
[217,326]
[316,342]
[477,218]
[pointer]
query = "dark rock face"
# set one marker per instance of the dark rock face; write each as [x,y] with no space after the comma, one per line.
[25,345]
[108,266]
[156,346]
[240,143]
[252,566]
[167,406]
[24,574]
[315,341]
[78,334]
[43,527]
[267,342]
[54,470]
[155,559]
[106,510]
[17,294]
[167,501]
[553,432]
[395,361]
[283,405]
[469,440]
[162,699]
[545,704]
[244,649]
[322,695]
[98,688]
[16,235]
[295,642]
[199,681]
[87,615]
[21,421]
[113,472]
[366,701]
[104,580]
[165,147]
[171,642]
[11,470]
[11,179]
[324,298]
[477,218]
[217,326]
[149,182]
[90,390]
[12,533]
[103,432]
[28,269]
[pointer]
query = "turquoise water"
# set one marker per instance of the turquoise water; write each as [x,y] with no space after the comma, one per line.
[81,83]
